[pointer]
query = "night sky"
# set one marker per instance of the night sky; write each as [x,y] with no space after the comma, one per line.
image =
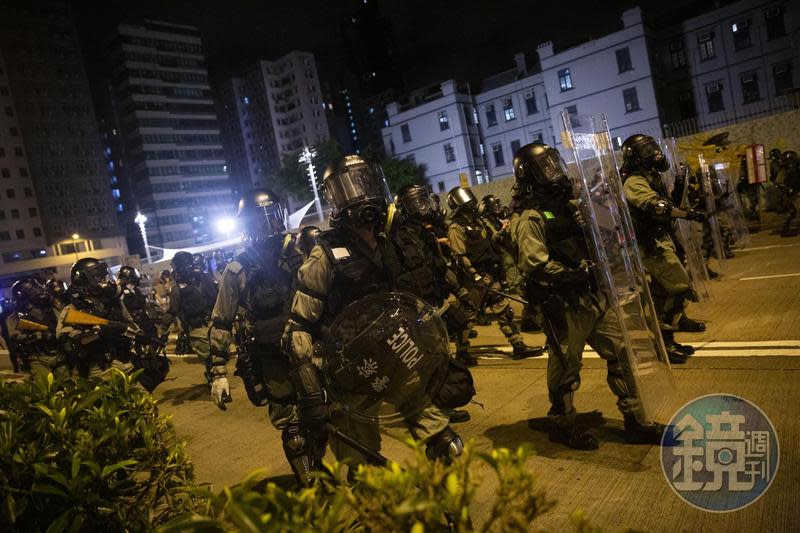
[435,39]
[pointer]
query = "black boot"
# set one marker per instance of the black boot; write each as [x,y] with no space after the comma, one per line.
[466,358]
[472,334]
[674,352]
[636,433]
[457,416]
[688,325]
[574,438]
[523,351]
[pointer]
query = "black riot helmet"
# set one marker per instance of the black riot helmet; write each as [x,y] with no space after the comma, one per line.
[93,276]
[462,199]
[184,267]
[357,192]
[775,154]
[540,168]
[128,275]
[416,202]
[261,214]
[56,288]
[491,205]
[307,239]
[27,292]
[642,152]
[200,261]
[790,157]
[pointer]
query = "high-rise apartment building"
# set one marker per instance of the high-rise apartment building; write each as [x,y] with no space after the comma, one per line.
[273,110]
[56,198]
[164,144]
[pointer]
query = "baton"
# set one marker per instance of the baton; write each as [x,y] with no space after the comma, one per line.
[374,457]
[510,297]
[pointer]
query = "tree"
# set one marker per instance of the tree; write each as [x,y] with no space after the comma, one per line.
[402,172]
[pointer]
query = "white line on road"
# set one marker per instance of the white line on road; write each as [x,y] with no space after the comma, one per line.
[771,277]
[758,248]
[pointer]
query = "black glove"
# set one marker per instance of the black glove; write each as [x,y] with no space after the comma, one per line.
[112,331]
[697,216]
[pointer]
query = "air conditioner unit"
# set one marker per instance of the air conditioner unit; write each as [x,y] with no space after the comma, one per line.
[713,88]
[528,95]
[705,37]
[748,78]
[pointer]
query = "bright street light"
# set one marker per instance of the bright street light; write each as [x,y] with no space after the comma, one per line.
[75,236]
[226,225]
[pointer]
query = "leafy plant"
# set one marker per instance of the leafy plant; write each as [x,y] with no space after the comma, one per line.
[423,496]
[88,455]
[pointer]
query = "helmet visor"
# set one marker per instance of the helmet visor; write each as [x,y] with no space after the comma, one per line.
[358,184]
[550,166]
[100,276]
[264,221]
[417,203]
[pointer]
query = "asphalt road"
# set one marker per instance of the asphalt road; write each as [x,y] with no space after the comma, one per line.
[751,349]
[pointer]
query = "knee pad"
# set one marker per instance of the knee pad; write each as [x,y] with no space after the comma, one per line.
[294,443]
[444,445]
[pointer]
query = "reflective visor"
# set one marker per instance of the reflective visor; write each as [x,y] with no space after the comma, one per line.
[359,183]
[264,220]
[417,203]
[551,165]
[100,275]
[649,150]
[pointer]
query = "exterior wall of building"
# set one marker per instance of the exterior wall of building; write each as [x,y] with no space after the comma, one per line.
[437,130]
[46,76]
[21,235]
[168,122]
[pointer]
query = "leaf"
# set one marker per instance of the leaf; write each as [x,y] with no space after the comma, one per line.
[244,520]
[452,484]
[45,409]
[44,488]
[110,469]
[60,524]
[190,522]
[10,508]
[76,465]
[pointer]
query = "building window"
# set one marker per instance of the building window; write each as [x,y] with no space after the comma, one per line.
[750,92]
[499,160]
[10,194]
[440,185]
[741,35]
[624,60]
[775,25]
[468,115]
[565,80]
[677,54]
[686,105]
[631,100]
[783,78]
[5,236]
[406,133]
[508,109]
[37,233]
[537,137]
[572,110]
[28,192]
[20,234]
[32,212]
[444,124]
[9,111]
[23,172]
[6,172]
[18,151]
[15,214]
[449,153]
[714,97]
[514,147]
[705,41]
[530,103]
[491,117]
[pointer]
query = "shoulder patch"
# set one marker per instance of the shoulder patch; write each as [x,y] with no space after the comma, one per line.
[340,254]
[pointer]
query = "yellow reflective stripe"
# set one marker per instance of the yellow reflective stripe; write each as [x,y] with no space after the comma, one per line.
[286,241]
[389,217]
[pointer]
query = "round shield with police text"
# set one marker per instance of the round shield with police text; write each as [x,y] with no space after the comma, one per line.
[385,356]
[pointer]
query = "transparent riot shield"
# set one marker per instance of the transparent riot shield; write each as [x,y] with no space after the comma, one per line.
[619,269]
[688,233]
[711,210]
[385,357]
[730,206]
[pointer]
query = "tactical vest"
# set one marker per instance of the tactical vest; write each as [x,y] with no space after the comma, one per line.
[355,274]
[480,248]
[565,240]
[268,290]
[648,228]
[135,302]
[417,265]
[197,301]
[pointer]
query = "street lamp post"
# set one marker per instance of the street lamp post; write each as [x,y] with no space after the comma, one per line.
[140,220]
[75,238]
[307,157]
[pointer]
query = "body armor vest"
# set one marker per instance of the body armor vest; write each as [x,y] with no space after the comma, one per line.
[566,242]
[355,274]
[269,287]
[46,317]
[420,268]
[647,227]
[197,301]
[480,248]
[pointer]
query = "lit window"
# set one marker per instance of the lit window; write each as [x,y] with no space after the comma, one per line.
[705,42]
[444,123]
[631,100]
[508,109]
[565,79]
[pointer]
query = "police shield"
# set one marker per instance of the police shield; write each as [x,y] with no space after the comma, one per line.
[619,269]
[385,357]
[688,233]
[729,204]
[712,212]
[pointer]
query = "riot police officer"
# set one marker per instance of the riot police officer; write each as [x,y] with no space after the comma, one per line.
[92,349]
[652,212]
[191,300]
[259,283]
[32,329]
[352,260]
[553,256]
[481,263]
[58,293]
[788,180]
[297,247]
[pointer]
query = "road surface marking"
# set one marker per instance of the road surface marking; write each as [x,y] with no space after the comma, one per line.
[771,277]
[779,348]
[758,248]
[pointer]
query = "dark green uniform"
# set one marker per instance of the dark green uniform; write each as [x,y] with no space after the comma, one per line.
[38,349]
[551,254]
[191,302]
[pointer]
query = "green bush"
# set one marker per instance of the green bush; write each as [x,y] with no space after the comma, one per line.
[88,455]
[423,496]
